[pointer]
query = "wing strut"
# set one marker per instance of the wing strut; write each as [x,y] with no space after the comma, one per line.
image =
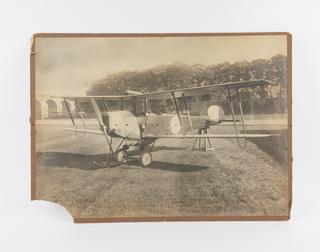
[102,126]
[77,111]
[145,106]
[133,103]
[241,114]
[234,120]
[177,109]
[70,114]
[121,103]
[105,105]
[188,113]
[80,113]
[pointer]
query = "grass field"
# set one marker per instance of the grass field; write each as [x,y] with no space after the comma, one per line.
[179,182]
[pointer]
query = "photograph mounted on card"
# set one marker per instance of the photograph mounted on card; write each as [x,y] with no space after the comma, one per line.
[162,127]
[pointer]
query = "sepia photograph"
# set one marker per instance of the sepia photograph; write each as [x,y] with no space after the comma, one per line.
[151,127]
[160,126]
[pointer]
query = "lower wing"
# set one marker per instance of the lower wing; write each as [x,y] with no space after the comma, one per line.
[95,132]
[213,136]
[98,132]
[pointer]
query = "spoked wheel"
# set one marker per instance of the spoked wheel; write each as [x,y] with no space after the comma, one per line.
[145,158]
[122,156]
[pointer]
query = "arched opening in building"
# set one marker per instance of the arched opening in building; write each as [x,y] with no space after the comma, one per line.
[38,110]
[52,109]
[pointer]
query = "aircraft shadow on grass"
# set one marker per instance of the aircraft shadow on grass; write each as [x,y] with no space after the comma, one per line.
[165,166]
[276,146]
[93,162]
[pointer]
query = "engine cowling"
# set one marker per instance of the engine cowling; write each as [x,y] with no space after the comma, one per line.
[123,123]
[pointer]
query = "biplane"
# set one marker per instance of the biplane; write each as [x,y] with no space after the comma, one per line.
[140,130]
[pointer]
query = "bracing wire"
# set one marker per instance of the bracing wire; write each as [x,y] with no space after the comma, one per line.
[241,146]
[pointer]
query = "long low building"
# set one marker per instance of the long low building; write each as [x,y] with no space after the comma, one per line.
[48,107]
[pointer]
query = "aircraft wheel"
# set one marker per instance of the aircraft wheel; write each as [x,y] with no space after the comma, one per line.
[122,156]
[145,158]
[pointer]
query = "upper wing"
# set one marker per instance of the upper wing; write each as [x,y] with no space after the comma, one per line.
[194,91]
[100,98]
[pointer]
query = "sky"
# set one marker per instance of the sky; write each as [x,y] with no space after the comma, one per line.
[69,66]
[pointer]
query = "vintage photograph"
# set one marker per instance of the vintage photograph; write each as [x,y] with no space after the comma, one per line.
[138,127]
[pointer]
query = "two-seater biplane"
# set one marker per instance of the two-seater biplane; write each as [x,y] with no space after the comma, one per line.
[140,130]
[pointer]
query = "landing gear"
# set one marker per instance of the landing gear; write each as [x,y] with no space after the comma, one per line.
[202,143]
[125,152]
[145,158]
[121,156]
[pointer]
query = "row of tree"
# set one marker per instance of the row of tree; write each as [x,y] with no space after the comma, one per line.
[181,75]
